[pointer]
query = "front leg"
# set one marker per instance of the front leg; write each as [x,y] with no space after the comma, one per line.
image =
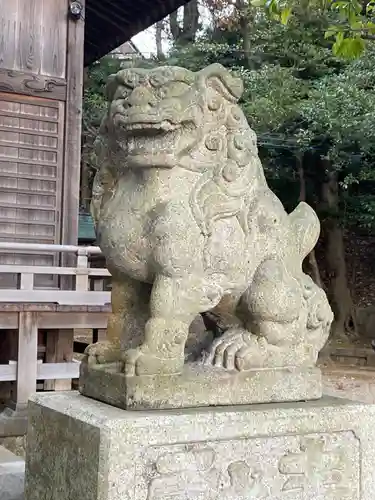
[126,324]
[175,302]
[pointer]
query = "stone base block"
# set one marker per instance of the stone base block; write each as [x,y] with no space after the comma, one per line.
[200,386]
[82,449]
[13,422]
[12,474]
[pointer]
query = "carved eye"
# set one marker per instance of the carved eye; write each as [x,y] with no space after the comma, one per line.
[122,92]
[130,79]
[239,143]
[230,171]
[213,143]
[214,104]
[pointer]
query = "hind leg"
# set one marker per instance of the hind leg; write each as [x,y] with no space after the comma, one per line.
[274,314]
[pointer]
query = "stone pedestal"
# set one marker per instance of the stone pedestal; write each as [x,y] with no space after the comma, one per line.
[12,473]
[199,386]
[81,449]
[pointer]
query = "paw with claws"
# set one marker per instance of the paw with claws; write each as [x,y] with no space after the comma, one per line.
[237,349]
[143,361]
[103,353]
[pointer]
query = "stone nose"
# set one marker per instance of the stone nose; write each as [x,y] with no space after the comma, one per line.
[141,96]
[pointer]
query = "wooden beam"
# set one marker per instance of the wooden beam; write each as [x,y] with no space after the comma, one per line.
[73,120]
[26,116]
[44,371]
[8,321]
[27,358]
[62,297]
[27,281]
[20,130]
[24,99]
[17,82]
[8,373]
[70,271]
[82,279]
[55,320]
[41,247]
[55,371]
[59,348]
[76,320]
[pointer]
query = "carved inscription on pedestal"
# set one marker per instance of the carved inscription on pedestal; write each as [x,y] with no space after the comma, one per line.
[311,467]
[314,467]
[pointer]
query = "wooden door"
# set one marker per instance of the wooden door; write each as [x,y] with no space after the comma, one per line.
[41,72]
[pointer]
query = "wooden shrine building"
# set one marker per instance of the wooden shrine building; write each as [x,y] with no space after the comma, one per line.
[44,46]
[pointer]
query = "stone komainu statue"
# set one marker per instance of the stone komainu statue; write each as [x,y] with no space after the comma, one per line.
[188,224]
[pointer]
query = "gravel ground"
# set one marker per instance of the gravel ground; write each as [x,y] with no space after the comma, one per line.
[350,383]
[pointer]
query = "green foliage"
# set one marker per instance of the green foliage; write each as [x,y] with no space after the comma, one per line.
[94,102]
[300,45]
[272,98]
[340,109]
[205,52]
[353,23]
[94,106]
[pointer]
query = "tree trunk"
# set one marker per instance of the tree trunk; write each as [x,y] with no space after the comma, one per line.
[190,24]
[159,28]
[314,269]
[85,186]
[174,26]
[85,189]
[313,266]
[245,23]
[338,291]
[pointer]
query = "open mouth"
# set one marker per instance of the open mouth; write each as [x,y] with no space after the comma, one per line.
[146,127]
[135,126]
[141,140]
[145,136]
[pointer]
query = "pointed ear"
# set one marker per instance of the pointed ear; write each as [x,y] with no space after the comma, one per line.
[111,87]
[223,81]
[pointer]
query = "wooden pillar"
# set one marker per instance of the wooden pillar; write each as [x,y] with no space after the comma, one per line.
[61,344]
[73,125]
[27,358]
[59,349]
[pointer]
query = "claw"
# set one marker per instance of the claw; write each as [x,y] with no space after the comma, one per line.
[237,350]
[103,353]
[142,361]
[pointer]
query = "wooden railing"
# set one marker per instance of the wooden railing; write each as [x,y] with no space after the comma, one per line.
[76,300]
[80,294]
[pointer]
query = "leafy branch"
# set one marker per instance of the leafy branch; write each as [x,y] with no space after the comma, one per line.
[349,33]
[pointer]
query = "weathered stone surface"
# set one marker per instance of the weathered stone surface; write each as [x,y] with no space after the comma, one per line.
[83,449]
[12,476]
[15,444]
[188,224]
[199,385]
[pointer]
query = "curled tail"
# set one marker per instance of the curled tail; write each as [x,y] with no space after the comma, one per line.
[305,228]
